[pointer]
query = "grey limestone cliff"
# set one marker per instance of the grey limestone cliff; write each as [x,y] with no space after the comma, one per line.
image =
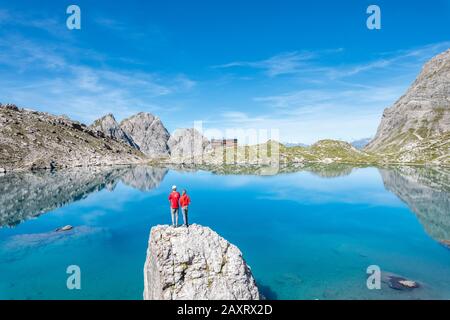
[108,126]
[149,133]
[188,146]
[417,127]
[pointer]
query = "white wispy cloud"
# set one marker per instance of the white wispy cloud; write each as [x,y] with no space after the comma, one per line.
[307,101]
[111,24]
[23,54]
[400,59]
[283,63]
[54,80]
[184,83]
[38,21]
[313,114]
[308,65]
[240,117]
[130,31]
[342,101]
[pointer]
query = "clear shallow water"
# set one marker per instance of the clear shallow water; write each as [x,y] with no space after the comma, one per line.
[306,235]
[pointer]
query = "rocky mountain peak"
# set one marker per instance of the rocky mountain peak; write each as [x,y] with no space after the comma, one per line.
[108,126]
[188,145]
[422,113]
[149,133]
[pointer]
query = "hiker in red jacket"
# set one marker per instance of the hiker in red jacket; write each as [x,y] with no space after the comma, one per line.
[174,197]
[184,203]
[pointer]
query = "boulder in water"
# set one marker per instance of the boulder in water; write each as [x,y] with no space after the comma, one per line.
[195,263]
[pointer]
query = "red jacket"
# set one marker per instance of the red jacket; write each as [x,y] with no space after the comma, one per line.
[185,200]
[174,196]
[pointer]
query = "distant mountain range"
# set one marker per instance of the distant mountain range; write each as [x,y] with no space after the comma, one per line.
[295,144]
[361,143]
[415,130]
[358,144]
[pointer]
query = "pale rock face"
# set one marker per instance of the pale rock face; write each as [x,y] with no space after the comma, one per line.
[422,113]
[149,133]
[108,126]
[195,263]
[188,146]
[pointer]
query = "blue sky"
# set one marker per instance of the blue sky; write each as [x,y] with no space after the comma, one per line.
[311,69]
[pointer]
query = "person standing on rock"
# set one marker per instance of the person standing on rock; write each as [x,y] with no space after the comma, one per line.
[174,198]
[184,203]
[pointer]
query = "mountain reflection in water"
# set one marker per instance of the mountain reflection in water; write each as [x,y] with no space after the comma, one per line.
[425,190]
[29,194]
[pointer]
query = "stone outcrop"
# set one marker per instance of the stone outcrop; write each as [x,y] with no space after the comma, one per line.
[38,140]
[416,128]
[195,263]
[108,126]
[188,146]
[149,133]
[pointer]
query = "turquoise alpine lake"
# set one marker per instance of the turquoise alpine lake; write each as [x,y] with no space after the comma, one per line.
[307,233]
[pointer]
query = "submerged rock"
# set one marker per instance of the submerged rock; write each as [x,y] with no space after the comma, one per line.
[399,283]
[445,243]
[65,228]
[23,244]
[195,263]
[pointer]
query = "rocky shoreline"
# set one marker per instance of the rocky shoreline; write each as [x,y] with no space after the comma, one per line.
[31,140]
